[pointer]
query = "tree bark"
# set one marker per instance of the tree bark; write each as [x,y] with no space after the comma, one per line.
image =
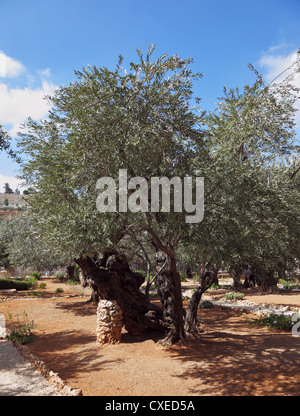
[208,277]
[115,281]
[70,272]
[168,286]
[188,272]
[249,278]
[267,282]
[236,275]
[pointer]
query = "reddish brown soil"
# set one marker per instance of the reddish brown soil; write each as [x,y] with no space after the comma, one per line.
[232,357]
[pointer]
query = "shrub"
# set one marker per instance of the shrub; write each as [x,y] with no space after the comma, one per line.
[278,321]
[37,293]
[13,284]
[60,276]
[43,285]
[20,329]
[71,282]
[32,282]
[36,275]
[234,295]
[215,286]
[58,290]
[183,277]
[206,304]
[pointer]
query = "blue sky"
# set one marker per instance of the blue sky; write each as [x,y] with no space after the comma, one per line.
[42,43]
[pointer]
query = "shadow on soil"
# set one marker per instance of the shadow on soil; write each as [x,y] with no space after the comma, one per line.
[80,308]
[234,358]
[59,348]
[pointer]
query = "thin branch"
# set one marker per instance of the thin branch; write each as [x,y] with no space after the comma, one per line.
[158,272]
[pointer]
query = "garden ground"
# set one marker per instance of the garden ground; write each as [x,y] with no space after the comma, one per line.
[231,357]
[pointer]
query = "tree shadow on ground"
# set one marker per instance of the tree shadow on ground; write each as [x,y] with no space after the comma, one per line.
[80,308]
[234,358]
[70,352]
[148,335]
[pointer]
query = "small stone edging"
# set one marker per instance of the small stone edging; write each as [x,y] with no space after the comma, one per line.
[248,306]
[53,378]
[258,309]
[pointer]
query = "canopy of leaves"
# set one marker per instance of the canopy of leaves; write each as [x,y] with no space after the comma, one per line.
[140,120]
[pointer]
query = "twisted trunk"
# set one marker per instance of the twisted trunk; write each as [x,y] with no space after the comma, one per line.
[114,280]
[208,277]
[168,288]
[267,282]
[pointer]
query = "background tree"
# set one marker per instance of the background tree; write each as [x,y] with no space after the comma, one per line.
[7,189]
[253,146]
[24,246]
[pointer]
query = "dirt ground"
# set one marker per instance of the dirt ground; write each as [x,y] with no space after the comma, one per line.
[231,358]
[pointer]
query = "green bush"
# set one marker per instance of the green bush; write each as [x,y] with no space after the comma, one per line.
[43,285]
[289,284]
[61,276]
[206,304]
[32,282]
[59,290]
[234,295]
[215,286]
[71,282]
[13,284]
[278,321]
[36,275]
[183,277]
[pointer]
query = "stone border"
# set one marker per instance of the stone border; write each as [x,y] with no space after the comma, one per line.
[53,378]
[256,308]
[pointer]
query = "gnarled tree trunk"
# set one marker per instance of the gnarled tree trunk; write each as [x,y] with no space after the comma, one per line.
[236,276]
[267,282]
[209,276]
[168,288]
[115,281]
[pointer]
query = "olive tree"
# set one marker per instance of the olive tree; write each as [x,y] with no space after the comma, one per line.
[25,247]
[140,121]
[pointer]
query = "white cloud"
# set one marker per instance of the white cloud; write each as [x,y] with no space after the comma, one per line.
[17,104]
[276,63]
[13,183]
[10,67]
[45,72]
[20,102]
